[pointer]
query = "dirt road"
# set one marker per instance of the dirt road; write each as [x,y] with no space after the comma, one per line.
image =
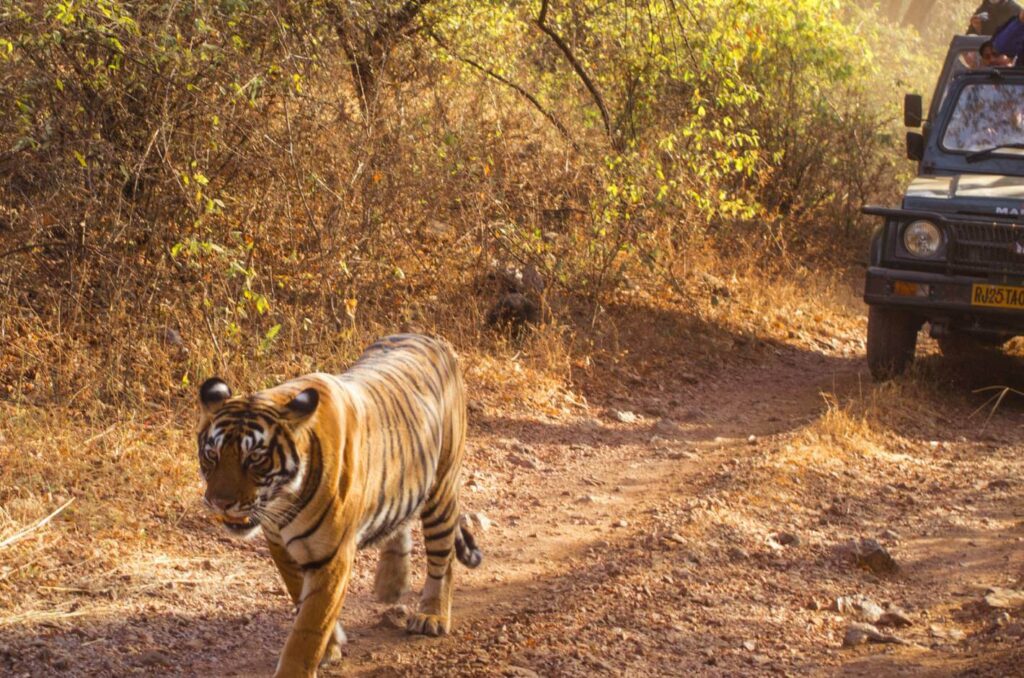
[693,523]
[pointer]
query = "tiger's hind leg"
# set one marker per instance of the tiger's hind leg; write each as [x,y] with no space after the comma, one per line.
[392,577]
[440,527]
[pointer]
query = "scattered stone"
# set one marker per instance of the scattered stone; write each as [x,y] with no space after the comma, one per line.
[153,658]
[476,520]
[752,439]
[716,285]
[514,313]
[735,553]
[667,427]
[894,616]
[519,671]
[681,455]
[749,645]
[1000,484]
[1016,629]
[858,634]
[171,336]
[813,605]
[676,537]
[586,499]
[953,634]
[859,607]
[620,523]
[872,556]
[998,598]
[891,535]
[787,539]
[522,462]
[625,416]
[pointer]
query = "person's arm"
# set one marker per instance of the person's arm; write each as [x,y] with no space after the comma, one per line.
[975,25]
[1009,39]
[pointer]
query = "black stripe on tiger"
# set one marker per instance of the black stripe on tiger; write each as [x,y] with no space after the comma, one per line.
[466,550]
[315,526]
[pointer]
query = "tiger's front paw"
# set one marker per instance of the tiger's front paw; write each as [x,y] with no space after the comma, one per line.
[288,670]
[333,653]
[429,624]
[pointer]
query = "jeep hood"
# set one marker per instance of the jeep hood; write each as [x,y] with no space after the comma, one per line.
[981,194]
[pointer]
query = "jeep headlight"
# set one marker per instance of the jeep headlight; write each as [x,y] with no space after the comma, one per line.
[922,238]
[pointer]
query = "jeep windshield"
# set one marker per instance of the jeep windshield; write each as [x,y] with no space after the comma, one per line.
[987,118]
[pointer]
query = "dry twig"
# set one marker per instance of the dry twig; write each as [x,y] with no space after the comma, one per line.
[29,529]
[996,400]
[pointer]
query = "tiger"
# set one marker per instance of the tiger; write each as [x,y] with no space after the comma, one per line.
[327,464]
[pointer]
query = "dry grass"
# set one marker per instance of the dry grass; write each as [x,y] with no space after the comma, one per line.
[131,471]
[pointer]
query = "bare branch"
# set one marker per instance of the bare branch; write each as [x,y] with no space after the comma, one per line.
[366,60]
[505,81]
[26,531]
[580,71]
[399,22]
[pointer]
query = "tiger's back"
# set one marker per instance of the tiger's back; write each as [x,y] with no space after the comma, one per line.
[408,390]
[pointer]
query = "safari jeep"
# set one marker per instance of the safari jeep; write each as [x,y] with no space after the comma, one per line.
[952,255]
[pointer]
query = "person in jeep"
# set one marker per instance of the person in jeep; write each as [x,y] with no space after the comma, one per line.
[990,58]
[991,15]
[1009,39]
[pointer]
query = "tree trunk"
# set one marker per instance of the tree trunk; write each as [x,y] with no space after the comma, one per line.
[368,47]
[918,13]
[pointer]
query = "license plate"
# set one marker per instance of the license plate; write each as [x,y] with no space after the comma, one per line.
[997,296]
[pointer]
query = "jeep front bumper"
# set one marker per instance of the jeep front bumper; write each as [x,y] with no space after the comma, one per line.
[939,297]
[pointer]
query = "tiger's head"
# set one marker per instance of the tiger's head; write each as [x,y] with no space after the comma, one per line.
[247,452]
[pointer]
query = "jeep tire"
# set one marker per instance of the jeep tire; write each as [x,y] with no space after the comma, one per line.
[892,339]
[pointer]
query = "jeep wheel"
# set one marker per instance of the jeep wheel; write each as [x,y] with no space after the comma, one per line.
[892,338]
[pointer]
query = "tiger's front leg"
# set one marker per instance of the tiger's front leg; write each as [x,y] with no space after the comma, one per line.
[292,576]
[323,592]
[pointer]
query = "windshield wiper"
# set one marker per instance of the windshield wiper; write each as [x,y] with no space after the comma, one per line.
[988,152]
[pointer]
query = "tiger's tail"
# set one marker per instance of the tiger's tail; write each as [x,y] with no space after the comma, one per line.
[465,548]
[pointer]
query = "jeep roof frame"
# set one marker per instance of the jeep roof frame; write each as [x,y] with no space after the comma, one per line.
[951,67]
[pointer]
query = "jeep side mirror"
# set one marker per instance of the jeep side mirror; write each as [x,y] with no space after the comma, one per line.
[915,146]
[912,110]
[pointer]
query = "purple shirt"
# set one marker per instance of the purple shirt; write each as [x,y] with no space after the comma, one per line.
[1009,39]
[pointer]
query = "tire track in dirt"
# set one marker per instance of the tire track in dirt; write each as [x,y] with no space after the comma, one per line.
[557,542]
[627,549]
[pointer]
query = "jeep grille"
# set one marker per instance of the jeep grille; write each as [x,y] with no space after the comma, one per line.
[989,248]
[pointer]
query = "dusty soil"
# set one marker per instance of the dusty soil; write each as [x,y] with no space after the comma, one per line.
[683,521]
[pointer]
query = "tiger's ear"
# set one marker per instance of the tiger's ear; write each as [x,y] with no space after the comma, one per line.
[213,393]
[304,404]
